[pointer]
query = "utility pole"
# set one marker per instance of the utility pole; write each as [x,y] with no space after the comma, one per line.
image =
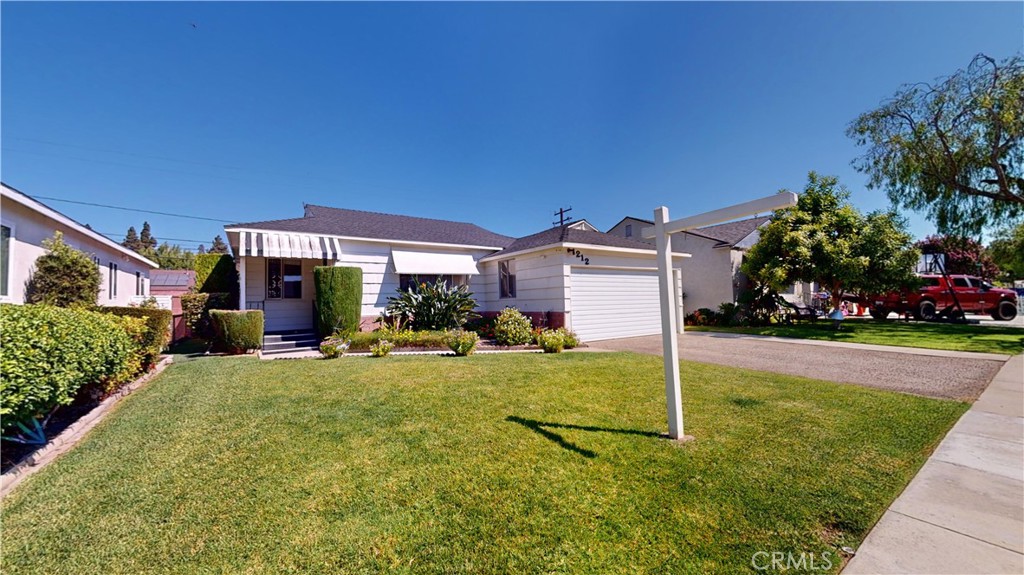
[562,218]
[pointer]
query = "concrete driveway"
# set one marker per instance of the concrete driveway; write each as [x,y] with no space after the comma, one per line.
[934,373]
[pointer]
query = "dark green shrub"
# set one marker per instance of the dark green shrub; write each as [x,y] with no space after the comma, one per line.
[462,342]
[435,306]
[512,328]
[237,331]
[339,299]
[157,333]
[50,353]
[63,276]
[195,308]
[215,273]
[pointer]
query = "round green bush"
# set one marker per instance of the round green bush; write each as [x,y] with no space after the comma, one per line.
[551,341]
[462,342]
[512,328]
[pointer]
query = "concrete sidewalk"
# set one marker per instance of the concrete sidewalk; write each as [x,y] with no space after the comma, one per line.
[964,511]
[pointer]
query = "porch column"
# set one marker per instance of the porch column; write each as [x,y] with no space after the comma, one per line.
[241,282]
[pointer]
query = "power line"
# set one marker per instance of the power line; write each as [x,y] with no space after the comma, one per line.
[131,209]
[164,239]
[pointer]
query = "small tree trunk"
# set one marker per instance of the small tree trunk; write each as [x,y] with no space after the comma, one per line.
[837,295]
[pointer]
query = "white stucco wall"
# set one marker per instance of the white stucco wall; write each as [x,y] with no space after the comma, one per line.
[707,273]
[28,230]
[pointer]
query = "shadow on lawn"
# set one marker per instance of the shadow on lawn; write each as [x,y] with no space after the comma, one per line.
[539,427]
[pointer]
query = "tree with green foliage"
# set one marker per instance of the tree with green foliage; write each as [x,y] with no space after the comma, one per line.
[215,273]
[63,276]
[1007,251]
[146,237]
[952,149]
[170,257]
[962,255]
[131,240]
[339,299]
[824,239]
[218,246]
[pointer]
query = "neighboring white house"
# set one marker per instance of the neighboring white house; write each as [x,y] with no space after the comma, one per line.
[599,285]
[712,275]
[25,223]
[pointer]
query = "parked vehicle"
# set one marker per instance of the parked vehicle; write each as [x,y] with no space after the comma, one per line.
[936,298]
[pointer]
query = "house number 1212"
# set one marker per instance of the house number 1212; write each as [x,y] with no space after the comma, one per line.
[579,255]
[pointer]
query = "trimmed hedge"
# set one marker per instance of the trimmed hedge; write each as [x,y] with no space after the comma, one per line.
[215,273]
[158,329]
[363,341]
[237,331]
[50,353]
[195,308]
[339,299]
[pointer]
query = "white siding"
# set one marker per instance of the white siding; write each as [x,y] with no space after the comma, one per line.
[540,283]
[708,273]
[609,304]
[30,228]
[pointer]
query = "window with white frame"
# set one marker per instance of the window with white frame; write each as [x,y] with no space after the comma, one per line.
[284,279]
[5,260]
[112,281]
[507,278]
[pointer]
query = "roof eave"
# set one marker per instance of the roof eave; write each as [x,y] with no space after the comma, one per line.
[365,239]
[594,247]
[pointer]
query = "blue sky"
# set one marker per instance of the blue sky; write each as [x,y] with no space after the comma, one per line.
[492,113]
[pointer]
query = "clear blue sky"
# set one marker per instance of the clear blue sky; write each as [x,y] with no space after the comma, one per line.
[492,113]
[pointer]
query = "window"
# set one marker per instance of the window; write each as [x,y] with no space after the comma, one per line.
[112,281]
[5,260]
[405,281]
[284,279]
[507,278]
[931,282]
[629,230]
[138,283]
[961,282]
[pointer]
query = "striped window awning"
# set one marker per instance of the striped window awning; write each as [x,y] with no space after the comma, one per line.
[285,245]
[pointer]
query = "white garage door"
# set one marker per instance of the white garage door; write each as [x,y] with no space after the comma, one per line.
[607,304]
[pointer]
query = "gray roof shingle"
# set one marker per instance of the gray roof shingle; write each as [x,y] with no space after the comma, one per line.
[375,225]
[731,233]
[569,234]
[172,278]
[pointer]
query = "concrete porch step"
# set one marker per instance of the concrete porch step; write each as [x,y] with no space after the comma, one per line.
[289,342]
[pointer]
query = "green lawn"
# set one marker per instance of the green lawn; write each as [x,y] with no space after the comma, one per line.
[522,463]
[978,338]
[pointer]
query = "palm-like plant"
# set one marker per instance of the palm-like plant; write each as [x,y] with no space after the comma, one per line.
[435,306]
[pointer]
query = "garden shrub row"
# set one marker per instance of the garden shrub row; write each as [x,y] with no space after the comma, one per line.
[363,341]
[157,332]
[195,307]
[50,354]
[237,331]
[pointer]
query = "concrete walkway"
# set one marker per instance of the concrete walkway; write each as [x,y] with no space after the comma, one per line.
[964,511]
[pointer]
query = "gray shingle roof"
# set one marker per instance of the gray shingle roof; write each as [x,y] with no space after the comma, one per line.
[375,225]
[731,233]
[569,234]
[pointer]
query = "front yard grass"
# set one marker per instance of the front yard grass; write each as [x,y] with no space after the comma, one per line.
[521,463]
[952,337]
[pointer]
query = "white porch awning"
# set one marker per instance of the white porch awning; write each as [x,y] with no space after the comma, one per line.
[407,262]
[285,245]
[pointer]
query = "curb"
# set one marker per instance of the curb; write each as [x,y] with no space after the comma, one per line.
[73,433]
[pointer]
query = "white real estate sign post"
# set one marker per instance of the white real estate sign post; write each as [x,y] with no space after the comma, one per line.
[662,234]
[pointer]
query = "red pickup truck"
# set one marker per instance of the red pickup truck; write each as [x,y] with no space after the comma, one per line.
[933,299]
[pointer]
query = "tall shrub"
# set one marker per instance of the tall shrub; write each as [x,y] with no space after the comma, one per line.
[237,331]
[195,307]
[50,353]
[339,299]
[63,276]
[215,273]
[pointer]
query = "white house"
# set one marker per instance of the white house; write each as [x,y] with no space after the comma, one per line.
[25,223]
[712,275]
[599,285]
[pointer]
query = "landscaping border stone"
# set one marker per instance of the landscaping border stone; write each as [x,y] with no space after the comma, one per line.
[73,433]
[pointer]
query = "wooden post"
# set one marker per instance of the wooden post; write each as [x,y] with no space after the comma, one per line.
[669,335]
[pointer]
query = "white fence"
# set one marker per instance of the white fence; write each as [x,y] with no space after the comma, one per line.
[162,301]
